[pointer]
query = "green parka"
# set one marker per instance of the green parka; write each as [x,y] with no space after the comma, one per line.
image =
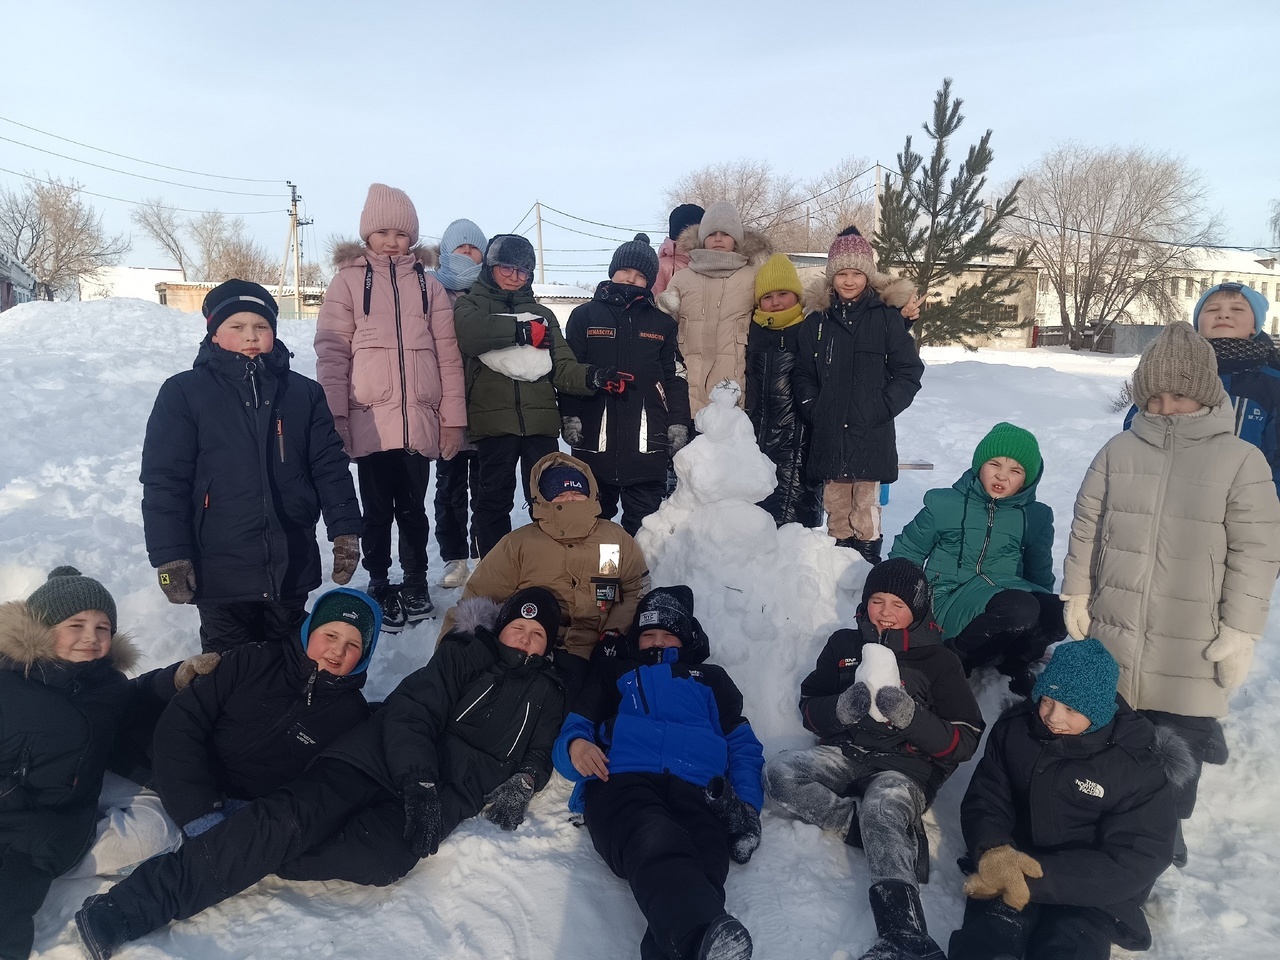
[973,546]
[498,406]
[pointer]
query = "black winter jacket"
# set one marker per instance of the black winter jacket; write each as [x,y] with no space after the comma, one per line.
[857,369]
[1096,810]
[781,432]
[625,435]
[947,724]
[58,721]
[250,727]
[477,713]
[239,460]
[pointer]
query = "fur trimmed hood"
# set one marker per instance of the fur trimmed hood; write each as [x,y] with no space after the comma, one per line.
[1173,755]
[350,253]
[755,246]
[25,641]
[476,612]
[894,292]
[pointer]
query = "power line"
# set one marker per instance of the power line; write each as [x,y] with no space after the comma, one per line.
[140,176]
[516,228]
[581,232]
[123,156]
[139,203]
[821,193]
[597,223]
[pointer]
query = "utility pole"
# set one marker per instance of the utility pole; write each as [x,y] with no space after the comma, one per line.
[294,243]
[875,222]
[542,270]
[808,242]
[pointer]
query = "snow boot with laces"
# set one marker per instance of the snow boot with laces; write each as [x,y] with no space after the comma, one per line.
[900,924]
[387,596]
[415,601]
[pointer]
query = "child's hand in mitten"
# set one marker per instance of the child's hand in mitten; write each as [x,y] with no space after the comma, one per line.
[853,704]
[897,706]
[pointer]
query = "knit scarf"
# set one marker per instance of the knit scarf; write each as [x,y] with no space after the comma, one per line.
[716,263]
[456,271]
[1237,356]
[779,321]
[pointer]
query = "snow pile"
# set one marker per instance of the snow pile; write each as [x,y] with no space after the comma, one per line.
[521,362]
[77,382]
[768,597]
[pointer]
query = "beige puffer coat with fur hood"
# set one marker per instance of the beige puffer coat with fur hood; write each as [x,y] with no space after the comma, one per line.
[391,372]
[713,300]
[1176,532]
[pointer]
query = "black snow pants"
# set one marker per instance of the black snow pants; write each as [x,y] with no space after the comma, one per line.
[656,832]
[638,501]
[227,625]
[457,485]
[1038,932]
[23,887]
[393,486]
[498,458]
[332,823]
[1014,630]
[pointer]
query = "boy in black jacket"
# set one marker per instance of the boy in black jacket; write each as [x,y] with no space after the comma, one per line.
[856,369]
[889,738]
[475,726]
[255,722]
[239,460]
[1069,818]
[628,437]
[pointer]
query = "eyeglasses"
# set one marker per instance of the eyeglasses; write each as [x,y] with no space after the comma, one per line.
[507,271]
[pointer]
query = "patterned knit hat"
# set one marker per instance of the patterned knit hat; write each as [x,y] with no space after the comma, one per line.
[1178,361]
[778,273]
[345,605]
[1083,675]
[532,603]
[636,254]
[682,218]
[851,251]
[905,580]
[1257,303]
[387,208]
[238,296]
[721,217]
[1008,440]
[560,479]
[67,592]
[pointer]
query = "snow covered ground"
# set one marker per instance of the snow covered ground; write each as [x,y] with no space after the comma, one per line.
[76,384]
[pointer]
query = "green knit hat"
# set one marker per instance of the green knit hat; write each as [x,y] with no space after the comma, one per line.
[1083,675]
[1007,440]
[67,592]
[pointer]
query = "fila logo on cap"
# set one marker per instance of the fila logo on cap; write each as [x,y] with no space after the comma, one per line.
[529,611]
[649,618]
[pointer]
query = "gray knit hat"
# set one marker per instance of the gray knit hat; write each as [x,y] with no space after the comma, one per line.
[721,217]
[67,592]
[1178,361]
[636,255]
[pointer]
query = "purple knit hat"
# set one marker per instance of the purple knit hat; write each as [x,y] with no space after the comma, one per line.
[851,251]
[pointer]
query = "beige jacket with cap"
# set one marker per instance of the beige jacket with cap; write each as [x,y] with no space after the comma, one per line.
[1176,532]
[564,550]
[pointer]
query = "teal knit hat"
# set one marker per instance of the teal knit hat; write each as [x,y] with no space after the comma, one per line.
[346,605]
[1007,440]
[67,592]
[1083,675]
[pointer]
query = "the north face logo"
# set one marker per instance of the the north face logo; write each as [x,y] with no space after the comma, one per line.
[1090,788]
[529,611]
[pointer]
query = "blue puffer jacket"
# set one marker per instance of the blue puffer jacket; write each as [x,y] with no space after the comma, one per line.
[664,716]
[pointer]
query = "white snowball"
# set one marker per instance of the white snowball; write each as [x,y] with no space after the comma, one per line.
[879,668]
[523,362]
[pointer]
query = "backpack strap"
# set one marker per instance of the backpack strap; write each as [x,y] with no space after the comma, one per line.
[368,285]
[422,282]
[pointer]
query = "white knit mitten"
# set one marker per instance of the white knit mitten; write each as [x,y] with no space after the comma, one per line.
[1076,614]
[1232,651]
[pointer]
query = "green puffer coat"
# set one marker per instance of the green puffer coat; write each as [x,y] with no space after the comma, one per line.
[498,406]
[973,547]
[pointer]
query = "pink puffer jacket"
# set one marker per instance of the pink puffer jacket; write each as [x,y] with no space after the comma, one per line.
[391,371]
[671,260]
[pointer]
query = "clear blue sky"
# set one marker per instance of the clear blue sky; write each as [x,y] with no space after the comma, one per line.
[596,107]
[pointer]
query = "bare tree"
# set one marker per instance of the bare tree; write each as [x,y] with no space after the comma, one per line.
[163,225]
[1110,229]
[225,250]
[1274,222]
[56,235]
[768,202]
[840,197]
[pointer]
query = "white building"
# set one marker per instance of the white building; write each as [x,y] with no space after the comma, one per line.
[138,282]
[17,283]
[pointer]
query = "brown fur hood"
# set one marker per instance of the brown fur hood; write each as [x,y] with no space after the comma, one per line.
[25,641]
[755,246]
[894,292]
[350,253]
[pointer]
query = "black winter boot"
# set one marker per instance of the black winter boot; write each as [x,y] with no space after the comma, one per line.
[870,549]
[415,599]
[388,597]
[102,926]
[725,939]
[900,924]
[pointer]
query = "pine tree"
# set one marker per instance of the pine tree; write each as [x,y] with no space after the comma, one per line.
[933,228]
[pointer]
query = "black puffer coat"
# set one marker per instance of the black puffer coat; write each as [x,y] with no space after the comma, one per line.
[1096,810]
[782,433]
[477,713]
[58,721]
[946,727]
[857,369]
[625,435]
[251,726]
[239,460]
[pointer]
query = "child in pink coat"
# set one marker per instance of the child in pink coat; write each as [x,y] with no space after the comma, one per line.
[388,360]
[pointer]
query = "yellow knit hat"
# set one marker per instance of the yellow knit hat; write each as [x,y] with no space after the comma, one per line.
[778,273]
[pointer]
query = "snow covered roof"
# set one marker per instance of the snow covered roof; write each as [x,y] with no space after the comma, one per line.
[16,269]
[272,288]
[561,291]
[1237,261]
